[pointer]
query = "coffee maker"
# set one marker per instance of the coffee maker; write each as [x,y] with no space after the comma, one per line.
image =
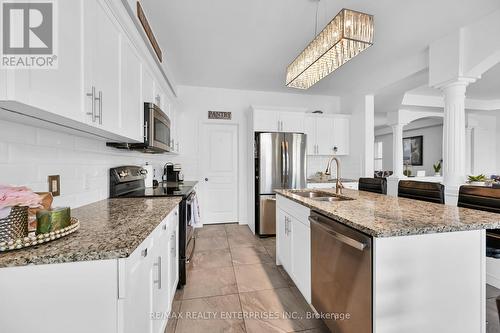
[172,173]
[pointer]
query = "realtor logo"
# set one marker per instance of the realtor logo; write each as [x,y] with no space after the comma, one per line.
[28,35]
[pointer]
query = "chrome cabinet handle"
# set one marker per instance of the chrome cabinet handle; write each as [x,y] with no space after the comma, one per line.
[158,264]
[92,97]
[164,227]
[146,130]
[144,252]
[100,107]
[99,98]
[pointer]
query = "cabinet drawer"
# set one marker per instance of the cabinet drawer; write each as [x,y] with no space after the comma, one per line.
[299,212]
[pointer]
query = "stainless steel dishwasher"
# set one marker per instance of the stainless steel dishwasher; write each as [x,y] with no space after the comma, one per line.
[341,269]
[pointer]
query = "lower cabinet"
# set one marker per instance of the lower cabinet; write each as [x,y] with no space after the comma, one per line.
[128,295]
[293,243]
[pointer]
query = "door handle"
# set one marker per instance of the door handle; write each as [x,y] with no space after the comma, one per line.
[92,97]
[158,265]
[338,236]
[287,168]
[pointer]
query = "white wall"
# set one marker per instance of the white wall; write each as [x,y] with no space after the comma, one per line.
[484,145]
[29,154]
[433,148]
[195,102]
[498,144]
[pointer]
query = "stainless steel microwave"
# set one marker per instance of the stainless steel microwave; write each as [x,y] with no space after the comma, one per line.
[156,132]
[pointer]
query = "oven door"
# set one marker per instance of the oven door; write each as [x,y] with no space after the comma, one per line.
[156,128]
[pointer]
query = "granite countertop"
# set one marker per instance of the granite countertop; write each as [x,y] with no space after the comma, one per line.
[385,216]
[109,229]
[331,180]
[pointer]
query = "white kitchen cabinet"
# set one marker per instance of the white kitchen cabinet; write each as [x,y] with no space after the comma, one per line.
[278,121]
[132,115]
[301,256]
[327,132]
[102,66]
[341,132]
[293,243]
[173,257]
[138,288]
[349,185]
[283,240]
[148,86]
[55,90]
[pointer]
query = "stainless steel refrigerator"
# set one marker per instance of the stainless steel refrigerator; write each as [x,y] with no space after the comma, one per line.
[280,163]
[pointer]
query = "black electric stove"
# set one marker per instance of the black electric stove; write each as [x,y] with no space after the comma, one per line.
[128,182]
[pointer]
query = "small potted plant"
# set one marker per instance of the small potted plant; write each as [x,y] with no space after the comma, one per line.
[479,180]
[437,168]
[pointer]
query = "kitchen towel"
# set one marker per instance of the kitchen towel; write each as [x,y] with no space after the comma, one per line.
[195,210]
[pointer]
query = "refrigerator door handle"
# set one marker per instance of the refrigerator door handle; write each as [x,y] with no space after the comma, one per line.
[287,160]
[283,158]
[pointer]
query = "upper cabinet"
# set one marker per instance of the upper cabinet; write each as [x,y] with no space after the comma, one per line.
[327,134]
[278,121]
[102,66]
[105,74]
[57,90]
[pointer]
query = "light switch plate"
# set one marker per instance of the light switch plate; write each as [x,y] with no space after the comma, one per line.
[55,185]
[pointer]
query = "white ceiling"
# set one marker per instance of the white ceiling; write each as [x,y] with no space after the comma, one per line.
[488,87]
[248,44]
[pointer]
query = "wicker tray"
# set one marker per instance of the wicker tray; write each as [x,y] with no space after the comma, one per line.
[25,242]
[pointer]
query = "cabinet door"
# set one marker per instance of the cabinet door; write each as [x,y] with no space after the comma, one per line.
[341,134]
[283,241]
[107,68]
[147,86]
[139,286]
[60,90]
[132,110]
[292,122]
[265,121]
[325,135]
[310,130]
[301,257]
[173,258]
[89,62]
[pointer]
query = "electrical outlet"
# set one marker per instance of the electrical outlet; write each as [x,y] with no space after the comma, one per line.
[55,185]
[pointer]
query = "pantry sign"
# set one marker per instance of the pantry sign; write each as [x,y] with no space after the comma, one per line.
[29,34]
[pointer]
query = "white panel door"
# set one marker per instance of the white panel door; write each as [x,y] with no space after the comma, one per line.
[325,135]
[341,132]
[132,109]
[148,88]
[219,173]
[265,121]
[292,122]
[310,130]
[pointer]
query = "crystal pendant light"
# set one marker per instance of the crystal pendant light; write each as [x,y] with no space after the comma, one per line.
[347,35]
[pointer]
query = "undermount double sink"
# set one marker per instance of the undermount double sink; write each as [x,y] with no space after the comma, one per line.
[321,196]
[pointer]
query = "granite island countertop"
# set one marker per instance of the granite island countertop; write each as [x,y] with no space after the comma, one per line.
[109,229]
[385,216]
[330,180]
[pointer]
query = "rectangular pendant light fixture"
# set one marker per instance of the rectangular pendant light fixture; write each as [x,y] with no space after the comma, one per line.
[348,34]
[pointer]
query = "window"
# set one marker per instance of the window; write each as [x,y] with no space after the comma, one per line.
[378,155]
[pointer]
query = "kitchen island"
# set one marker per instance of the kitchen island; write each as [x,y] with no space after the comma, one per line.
[112,275]
[425,268]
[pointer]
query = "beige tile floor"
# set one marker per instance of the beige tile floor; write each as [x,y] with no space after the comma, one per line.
[234,285]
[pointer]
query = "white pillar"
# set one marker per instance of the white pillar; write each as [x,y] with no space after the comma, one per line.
[454,146]
[397,150]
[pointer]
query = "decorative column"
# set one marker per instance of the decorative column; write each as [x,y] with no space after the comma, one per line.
[454,145]
[397,150]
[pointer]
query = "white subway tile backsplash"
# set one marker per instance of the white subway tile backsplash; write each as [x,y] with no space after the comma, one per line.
[29,154]
[17,133]
[4,152]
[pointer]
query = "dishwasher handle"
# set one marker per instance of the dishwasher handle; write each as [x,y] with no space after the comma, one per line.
[340,237]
